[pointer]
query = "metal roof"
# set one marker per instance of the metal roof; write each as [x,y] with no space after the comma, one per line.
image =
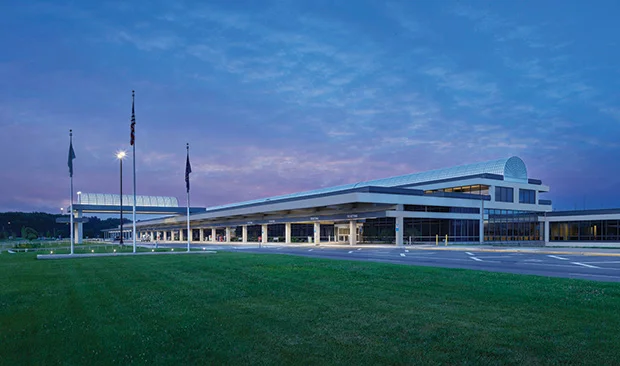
[512,169]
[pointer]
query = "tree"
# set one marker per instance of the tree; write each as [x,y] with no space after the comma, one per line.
[29,233]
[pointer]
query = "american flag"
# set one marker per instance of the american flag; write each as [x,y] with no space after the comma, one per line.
[133,119]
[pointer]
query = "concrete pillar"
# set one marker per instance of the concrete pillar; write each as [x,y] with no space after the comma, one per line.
[546,230]
[181,235]
[515,195]
[213,234]
[317,233]
[352,232]
[244,233]
[481,225]
[287,233]
[201,232]
[399,231]
[78,228]
[228,237]
[264,233]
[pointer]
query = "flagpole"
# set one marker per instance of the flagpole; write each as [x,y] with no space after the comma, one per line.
[189,234]
[133,143]
[71,194]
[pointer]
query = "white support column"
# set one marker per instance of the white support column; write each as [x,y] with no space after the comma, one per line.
[352,232]
[515,195]
[317,233]
[244,233]
[181,235]
[481,225]
[228,238]
[287,233]
[546,230]
[399,231]
[399,227]
[78,228]
[201,232]
[213,235]
[264,233]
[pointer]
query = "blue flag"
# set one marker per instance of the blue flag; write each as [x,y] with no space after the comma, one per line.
[188,169]
[71,157]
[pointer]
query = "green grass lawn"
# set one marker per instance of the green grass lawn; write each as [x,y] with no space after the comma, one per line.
[231,308]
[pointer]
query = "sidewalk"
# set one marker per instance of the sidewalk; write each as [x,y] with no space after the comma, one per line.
[535,250]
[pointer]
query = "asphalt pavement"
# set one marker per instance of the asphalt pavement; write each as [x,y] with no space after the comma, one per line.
[589,264]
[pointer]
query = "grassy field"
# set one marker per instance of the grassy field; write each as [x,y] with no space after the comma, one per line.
[232,308]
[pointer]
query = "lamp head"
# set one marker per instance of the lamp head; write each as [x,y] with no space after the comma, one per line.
[121,155]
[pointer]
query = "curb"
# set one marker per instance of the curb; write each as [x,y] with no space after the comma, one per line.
[94,255]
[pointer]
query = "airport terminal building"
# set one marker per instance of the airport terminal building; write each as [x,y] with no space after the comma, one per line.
[488,202]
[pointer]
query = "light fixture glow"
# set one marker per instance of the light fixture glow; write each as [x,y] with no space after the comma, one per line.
[121,154]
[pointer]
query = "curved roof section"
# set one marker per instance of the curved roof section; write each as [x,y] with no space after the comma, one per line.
[103,199]
[512,169]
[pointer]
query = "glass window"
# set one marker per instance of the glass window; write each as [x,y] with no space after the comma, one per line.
[504,194]
[527,196]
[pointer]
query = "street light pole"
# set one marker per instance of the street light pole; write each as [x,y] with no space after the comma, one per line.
[120,155]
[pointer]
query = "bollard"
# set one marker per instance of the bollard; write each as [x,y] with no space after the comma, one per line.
[446,239]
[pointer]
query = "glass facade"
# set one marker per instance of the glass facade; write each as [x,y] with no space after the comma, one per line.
[420,230]
[527,196]
[419,208]
[509,225]
[504,194]
[593,230]
[475,189]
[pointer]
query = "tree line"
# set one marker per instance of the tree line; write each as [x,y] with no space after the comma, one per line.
[32,225]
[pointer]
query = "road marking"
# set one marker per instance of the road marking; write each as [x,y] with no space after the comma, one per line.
[532,260]
[605,262]
[592,275]
[556,257]
[350,251]
[310,250]
[476,259]
[468,253]
[402,254]
[359,248]
[585,265]
[406,250]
